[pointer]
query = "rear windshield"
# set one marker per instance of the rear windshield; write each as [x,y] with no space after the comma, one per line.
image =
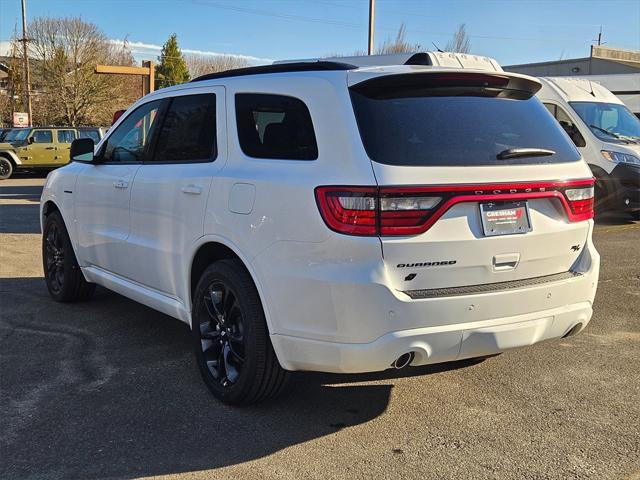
[409,129]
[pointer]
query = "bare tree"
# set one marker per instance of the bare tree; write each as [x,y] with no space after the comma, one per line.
[12,101]
[397,45]
[65,52]
[389,46]
[460,41]
[203,64]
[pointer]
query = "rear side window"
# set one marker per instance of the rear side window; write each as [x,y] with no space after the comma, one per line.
[275,126]
[567,124]
[411,128]
[188,132]
[66,136]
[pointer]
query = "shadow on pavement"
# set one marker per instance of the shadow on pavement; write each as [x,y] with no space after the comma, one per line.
[19,217]
[20,192]
[109,388]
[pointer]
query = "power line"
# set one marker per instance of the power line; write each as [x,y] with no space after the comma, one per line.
[252,11]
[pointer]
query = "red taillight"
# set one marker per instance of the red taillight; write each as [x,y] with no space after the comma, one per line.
[350,210]
[581,201]
[404,212]
[387,211]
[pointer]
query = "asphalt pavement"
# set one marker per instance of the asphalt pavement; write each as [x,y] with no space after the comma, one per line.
[109,389]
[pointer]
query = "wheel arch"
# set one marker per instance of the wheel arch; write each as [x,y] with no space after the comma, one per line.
[211,249]
[11,156]
[48,207]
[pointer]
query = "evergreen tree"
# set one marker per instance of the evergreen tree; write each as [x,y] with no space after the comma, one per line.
[172,68]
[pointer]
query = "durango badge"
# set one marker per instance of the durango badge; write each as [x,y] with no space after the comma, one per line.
[442,263]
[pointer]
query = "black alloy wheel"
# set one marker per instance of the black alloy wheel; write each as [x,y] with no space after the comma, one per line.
[54,259]
[230,336]
[6,168]
[63,276]
[222,334]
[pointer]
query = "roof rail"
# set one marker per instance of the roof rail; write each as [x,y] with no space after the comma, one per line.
[311,66]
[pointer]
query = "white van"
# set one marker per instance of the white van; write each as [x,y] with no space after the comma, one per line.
[606,133]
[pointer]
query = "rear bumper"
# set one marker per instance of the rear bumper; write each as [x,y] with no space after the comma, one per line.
[357,324]
[433,344]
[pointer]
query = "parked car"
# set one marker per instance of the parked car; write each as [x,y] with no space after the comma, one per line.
[40,148]
[320,216]
[607,135]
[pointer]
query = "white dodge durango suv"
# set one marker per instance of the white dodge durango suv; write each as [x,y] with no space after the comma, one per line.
[320,216]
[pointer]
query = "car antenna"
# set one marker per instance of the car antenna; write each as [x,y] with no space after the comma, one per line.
[437,47]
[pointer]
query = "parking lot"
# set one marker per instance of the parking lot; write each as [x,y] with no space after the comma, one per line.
[109,389]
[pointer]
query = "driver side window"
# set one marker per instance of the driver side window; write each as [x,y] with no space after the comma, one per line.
[567,124]
[130,141]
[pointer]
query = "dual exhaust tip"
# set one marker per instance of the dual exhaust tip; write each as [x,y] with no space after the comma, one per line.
[403,360]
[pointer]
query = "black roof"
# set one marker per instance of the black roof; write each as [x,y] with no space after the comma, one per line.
[278,68]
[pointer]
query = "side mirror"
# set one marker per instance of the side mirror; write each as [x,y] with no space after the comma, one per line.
[30,140]
[82,150]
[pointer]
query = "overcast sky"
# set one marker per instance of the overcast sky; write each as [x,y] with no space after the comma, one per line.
[516,31]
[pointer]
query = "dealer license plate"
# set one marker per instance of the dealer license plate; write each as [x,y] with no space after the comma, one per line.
[505,218]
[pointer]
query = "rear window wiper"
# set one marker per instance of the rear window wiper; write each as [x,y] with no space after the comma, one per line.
[524,152]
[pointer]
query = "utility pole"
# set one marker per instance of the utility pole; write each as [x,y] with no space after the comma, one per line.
[372,19]
[25,61]
[600,37]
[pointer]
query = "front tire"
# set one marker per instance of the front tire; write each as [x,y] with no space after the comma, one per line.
[6,168]
[65,281]
[229,331]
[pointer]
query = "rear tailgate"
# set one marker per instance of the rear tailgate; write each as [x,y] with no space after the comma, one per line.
[435,142]
[455,251]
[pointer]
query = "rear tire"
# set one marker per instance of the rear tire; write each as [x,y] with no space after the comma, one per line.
[230,336]
[63,276]
[6,168]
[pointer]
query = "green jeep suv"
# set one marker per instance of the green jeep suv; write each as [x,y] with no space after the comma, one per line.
[40,148]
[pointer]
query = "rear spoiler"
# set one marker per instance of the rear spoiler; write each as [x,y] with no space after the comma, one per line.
[452,83]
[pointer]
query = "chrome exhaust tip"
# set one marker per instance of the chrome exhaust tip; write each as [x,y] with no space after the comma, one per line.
[573,330]
[403,360]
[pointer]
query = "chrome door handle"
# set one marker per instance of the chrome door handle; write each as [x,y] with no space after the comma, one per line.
[121,184]
[192,189]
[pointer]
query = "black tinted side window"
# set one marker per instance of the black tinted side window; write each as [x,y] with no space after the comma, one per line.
[275,126]
[188,132]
